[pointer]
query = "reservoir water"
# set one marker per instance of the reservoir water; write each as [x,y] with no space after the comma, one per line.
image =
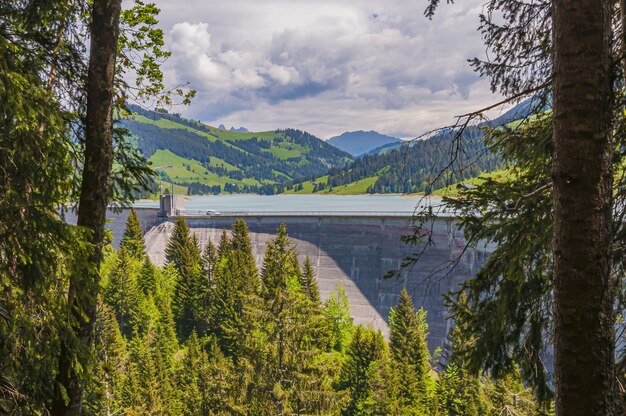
[304,203]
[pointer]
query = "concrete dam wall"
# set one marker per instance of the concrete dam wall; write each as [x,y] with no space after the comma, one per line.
[355,252]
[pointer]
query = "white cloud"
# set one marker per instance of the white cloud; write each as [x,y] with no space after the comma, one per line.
[325,66]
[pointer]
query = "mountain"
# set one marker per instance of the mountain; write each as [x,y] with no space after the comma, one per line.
[239,130]
[360,142]
[417,166]
[206,159]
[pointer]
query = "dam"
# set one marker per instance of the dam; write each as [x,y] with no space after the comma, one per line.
[352,249]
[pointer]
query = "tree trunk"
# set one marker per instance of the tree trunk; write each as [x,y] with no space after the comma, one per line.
[582,174]
[96,182]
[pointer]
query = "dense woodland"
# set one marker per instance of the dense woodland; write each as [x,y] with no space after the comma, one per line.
[210,334]
[87,330]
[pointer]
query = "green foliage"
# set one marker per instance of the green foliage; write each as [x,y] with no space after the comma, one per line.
[410,355]
[459,389]
[192,288]
[121,290]
[147,279]
[132,239]
[514,284]
[309,282]
[337,313]
[363,374]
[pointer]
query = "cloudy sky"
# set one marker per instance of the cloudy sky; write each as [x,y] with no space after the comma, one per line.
[325,66]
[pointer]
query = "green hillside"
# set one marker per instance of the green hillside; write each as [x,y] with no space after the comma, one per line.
[206,159]
[428,166]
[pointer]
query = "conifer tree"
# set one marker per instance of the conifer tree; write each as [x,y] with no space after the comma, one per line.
[189,377]
[210,260]
[104,391]
[241,257]
[236,284]
[224,393]
[337,312]
[459,390]
[508,396]
[191,287]
[409,353]
[179,245]
[363,374]
[121,291]
[309,282]
[132,239]
[224,245]
[147,385]
[147,279]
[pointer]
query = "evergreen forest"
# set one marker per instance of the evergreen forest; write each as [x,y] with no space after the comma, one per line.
[212,334]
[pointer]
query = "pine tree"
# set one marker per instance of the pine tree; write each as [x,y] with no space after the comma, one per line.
[309,282]
[409,353]
[132,239]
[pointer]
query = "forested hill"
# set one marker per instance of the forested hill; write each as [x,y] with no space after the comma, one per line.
[417,166]
[206,159]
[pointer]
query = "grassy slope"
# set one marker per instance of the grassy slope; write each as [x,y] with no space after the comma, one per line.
[196,172]
[453,190]
[355,188]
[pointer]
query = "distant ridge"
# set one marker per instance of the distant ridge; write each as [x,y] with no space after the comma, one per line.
[239,130]
[360,142]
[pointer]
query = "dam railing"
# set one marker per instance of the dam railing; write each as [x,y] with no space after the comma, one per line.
[376,214]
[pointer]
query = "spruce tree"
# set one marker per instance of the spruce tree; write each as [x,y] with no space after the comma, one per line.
[409,353]
[210,260]
[147,280]
[121,291]
[363,374]
[104,390]
[337,313]
[309,282]
[242,257]
[224,392]
[236,284]
[132,239]
[178,243]
[223,247]
[459,390]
